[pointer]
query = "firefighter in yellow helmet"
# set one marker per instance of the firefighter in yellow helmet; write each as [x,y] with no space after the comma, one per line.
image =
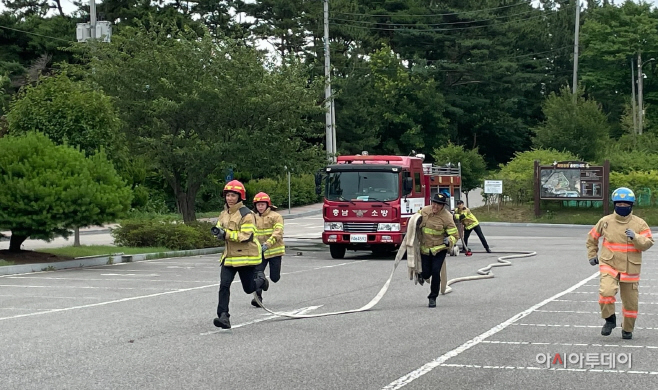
[471,224]
[242,253]
[269,232]
[438,234]
[625,237]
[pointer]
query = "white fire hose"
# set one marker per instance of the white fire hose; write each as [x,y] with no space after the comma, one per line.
[483,273]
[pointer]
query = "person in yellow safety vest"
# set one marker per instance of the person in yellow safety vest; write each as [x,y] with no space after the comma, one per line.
[242,253]
[438,233]
[269,232]
[625,237]
[466,217]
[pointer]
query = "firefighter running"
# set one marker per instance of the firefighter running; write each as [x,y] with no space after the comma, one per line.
[625,237]
[438,233]
[242,253]
[269,232]
[470,223]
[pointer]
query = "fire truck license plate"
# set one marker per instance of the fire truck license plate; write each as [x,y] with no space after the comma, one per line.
[359,238]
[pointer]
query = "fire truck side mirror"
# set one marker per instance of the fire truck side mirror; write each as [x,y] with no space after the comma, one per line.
[318,190]
[318,180]
[407,185]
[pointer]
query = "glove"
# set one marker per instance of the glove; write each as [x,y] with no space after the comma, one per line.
[264,247]
[218,232]
[446,241]
[594,260]
[630,234]
[462,216]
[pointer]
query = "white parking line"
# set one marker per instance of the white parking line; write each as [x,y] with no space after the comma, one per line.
[410,377]
[596,292]
[303,310]
[566,344]
[586,312]
[572,300]
[154,295]
[550,369]
[574,326]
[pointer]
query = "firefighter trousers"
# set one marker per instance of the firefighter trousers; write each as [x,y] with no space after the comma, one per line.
[431,266]
[608,287]
[478,230]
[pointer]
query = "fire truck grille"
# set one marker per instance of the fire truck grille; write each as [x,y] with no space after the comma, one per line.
[357,227]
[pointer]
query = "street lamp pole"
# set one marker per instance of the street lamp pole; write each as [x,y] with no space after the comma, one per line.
[640,82]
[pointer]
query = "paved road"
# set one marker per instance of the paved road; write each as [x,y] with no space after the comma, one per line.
[148,325]
[302,227]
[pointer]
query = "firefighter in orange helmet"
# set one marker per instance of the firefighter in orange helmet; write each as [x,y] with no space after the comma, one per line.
[242,253]
[625,237]
[269,232]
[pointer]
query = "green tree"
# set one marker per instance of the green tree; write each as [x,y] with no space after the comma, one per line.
[580,128]
[67,111]
[473,165]
[47,189]
[194,106]
[518,174]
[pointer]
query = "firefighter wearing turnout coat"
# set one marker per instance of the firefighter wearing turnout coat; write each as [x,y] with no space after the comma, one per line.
[269,232]
[438,234]
[466,217]
[625,237]
[242,253]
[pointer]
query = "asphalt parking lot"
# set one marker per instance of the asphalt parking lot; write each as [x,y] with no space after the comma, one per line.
[149,325]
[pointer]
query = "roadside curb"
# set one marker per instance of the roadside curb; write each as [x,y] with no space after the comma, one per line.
[102,260]
[561,225]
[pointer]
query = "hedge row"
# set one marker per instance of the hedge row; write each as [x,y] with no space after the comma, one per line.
[302,190]
[168,234]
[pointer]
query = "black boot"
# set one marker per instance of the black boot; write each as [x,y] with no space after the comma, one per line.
[610,324]
[420,279]
[222,321]
[261,281]
[260,296]
[626,335]
[432,302]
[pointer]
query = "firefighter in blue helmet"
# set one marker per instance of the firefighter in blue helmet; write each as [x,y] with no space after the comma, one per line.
[625,237]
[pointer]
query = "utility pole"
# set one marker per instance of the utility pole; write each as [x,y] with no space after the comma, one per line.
[633,98]
[333,126]
[640,107]
[92,18]
[575,50]
[327,86]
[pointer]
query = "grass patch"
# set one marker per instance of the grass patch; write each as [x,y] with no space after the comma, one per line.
[5,262]
[100,250]
[555,213]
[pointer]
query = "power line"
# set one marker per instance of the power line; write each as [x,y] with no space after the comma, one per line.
[434,24]
[37,34]
[433,15]
[437,29]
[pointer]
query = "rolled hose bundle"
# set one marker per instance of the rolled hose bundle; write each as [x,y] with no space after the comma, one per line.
[483,273]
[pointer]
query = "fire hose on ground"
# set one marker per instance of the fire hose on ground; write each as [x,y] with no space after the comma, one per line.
[482,273]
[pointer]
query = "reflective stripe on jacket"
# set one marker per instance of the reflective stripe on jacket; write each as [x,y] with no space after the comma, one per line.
[434,227]
[619,255]
[240,226]
[469,220]
[269,229]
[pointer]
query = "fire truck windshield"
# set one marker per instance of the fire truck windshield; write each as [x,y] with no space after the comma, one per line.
[362,186]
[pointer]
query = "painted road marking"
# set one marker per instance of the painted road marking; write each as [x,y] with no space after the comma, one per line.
[410,377]
[303,310]
[550,369]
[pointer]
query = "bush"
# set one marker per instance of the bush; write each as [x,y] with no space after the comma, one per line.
[644,184]
[518,174]
[165,233]
[302,190]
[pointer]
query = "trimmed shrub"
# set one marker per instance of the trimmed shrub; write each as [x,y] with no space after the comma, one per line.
[644,184]
[163,233]
[518,174]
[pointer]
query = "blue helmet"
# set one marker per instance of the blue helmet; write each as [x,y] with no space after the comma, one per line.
[623,194]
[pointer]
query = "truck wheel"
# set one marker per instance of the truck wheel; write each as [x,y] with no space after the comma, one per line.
[337,251]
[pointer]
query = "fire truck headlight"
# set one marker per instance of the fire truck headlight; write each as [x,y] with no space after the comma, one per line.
[388,227]
[333,226]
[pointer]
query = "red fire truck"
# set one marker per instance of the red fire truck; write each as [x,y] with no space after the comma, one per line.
[369,199]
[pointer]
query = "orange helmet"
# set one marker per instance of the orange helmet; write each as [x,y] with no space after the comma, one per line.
[237,187]
[262,197]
